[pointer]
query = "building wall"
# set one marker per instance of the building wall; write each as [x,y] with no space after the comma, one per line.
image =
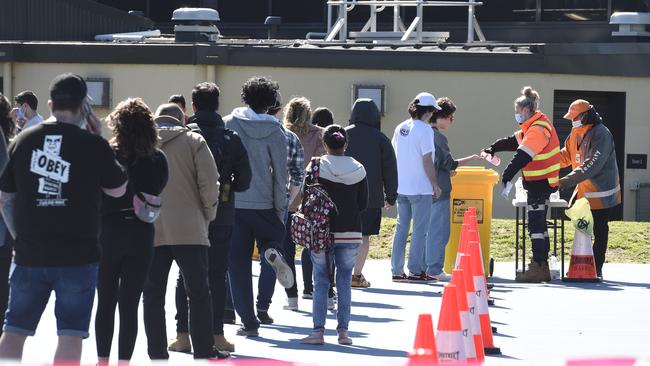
[484,100]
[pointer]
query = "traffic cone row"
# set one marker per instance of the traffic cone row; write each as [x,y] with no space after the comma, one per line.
[464,332]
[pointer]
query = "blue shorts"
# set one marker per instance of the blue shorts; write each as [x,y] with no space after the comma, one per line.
[29,292]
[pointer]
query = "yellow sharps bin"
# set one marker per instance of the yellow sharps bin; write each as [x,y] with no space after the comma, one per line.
[471,187]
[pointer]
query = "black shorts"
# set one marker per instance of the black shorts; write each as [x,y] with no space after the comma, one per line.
[370,221]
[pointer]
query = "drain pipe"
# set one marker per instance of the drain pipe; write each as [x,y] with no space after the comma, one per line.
[7,80]
[211,73]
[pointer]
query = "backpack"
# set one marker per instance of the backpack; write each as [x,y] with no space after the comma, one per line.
[220,145]
[310,227]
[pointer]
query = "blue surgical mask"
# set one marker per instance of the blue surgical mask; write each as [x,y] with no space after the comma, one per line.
[520,118]
[576,123]
[20,113]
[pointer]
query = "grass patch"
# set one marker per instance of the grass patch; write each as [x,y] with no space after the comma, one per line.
[629,242]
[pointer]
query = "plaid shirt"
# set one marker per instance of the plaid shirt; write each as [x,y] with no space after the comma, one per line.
[295,159]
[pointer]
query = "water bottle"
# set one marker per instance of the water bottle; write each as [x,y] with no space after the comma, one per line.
[554,266]
[494,160]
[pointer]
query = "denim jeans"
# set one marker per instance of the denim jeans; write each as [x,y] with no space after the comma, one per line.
[253,226]
[418,208]
[30,289]
[345,256]
[437,237]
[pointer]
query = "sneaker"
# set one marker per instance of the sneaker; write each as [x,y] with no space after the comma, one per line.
[400,278]
[246,332]
[280,266]
[360,281]
[229,317]
[331,303]
[181,343]
[536,273]
[442,276]
[307,295]
[420,278]
[292,304]
[344,339]
[264,317]
[316,338]
[222,344]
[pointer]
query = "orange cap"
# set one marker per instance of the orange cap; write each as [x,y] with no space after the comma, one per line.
[576,108]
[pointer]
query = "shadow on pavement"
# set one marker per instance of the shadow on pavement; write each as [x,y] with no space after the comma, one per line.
[375,305]
[306,331]
[295,344]
[386,291]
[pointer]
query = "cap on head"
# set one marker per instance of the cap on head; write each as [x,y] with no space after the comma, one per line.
[67,92]
[425,99]
[576,108]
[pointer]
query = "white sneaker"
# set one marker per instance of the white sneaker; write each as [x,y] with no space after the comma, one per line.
[442,277]
[280,266]
[292,304]
[331,303]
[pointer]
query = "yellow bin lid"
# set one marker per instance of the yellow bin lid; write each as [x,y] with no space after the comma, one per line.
[475,174]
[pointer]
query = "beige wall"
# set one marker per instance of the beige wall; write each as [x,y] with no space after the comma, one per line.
[484,99]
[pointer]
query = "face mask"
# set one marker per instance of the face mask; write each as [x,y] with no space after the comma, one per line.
[520,118]
[20,113]
[576,124]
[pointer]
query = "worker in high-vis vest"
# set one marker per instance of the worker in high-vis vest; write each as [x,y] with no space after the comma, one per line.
[589,150]
[538,157]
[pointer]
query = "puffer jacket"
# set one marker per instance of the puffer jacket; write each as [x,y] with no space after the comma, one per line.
[589,150]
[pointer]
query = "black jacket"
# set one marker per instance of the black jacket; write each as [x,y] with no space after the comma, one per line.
[369,146]
[231,158]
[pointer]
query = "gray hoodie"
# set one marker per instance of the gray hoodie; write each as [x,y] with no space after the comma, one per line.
[266,144]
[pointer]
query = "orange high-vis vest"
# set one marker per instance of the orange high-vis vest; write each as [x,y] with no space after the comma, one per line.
[545,163]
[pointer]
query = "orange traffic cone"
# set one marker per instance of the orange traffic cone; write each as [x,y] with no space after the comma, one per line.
[424,346]
[462,243]
[475,320]
[451,346]
[582,267]
[481,294]
[473,222]
[458,279]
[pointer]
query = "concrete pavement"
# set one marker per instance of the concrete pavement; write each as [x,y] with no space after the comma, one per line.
[535,322]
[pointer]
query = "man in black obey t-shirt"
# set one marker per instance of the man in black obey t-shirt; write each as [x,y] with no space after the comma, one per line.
[57,171]
[55,176]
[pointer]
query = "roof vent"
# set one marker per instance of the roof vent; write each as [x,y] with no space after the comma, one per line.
[196,25]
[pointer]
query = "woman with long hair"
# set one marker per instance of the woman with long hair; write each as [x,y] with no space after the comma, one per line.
[127,241]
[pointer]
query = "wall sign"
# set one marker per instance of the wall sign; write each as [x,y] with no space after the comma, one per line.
[375,92]
[637,161]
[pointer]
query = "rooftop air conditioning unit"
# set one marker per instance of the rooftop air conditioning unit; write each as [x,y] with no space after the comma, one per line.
[196,25]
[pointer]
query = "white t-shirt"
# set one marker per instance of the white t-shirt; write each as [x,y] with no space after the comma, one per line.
[412,140]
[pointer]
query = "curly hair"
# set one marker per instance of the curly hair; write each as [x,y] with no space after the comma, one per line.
[134,131]
[297,115]
[6,124]
[259,92]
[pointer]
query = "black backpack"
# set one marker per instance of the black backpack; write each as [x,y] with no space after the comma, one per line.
[220,145]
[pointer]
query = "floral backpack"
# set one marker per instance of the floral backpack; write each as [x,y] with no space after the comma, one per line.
[310,227]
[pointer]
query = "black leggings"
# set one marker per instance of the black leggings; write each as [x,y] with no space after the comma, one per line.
[127,249]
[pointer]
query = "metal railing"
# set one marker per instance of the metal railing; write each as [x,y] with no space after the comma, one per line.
[338,30]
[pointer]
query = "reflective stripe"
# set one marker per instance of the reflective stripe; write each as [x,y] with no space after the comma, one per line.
[527,150]
[518,136]
[542,123]
[537,236]
[548,154]
[537,173]
[554,180]
[602,193]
